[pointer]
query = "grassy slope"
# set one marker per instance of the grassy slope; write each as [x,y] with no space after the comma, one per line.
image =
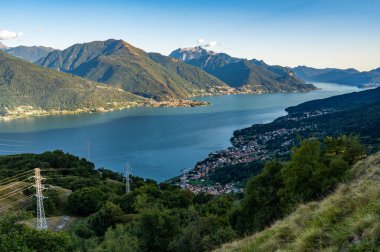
[347,220]
[119,64]
[25,84]
[7,197]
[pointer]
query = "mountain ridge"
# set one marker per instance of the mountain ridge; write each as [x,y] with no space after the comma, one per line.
[117,63]
[27,89]
[247,75]
[28,53]
[348,76]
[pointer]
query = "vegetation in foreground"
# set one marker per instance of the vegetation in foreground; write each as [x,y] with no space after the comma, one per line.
[161,217]
[346,220]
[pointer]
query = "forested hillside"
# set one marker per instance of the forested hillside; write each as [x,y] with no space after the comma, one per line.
[99,216]
[29,89]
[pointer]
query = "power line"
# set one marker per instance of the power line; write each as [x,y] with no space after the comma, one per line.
[15,177]
[7,195]
[12,184]
[15,203]
[7,181]
[63,168]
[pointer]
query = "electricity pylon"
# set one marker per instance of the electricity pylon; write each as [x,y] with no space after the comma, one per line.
[127,179]
[41,219]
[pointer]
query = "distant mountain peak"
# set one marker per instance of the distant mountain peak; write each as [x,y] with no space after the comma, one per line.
[249,75]
[189,53]
[29,53]
[2,46]
[120,64]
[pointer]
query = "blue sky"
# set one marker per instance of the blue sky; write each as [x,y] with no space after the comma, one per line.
[319,33]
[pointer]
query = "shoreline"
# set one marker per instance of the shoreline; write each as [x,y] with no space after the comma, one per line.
[23,112]
[27,111]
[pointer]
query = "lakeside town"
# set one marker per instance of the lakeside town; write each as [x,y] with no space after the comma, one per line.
[246,149]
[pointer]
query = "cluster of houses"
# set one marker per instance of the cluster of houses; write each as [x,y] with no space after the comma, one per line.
[244,150]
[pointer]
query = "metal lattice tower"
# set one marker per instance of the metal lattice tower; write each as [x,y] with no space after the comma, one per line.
[127,179]
[41,219]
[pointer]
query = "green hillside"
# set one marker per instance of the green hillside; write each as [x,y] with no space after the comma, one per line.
[161,217]
[347,220]
[119,64]
[27,88]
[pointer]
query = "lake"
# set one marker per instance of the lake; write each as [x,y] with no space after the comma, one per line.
[156,142]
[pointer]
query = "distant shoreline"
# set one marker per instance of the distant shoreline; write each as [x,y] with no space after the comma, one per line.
[27,111]
[23,112]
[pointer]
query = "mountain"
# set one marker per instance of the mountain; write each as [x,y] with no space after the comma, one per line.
[29,53]
[122,65]
[2,46]
[347,220]
[246,75]
[29,89]
[340,76]
[190,53]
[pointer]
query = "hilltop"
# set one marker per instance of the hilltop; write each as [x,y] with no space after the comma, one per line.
[119,64]
[250,76]
[347,220]
[27,89]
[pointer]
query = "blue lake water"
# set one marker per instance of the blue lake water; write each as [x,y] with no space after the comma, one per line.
[157,142]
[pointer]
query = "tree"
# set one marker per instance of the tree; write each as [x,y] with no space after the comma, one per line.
[118,239]
[299,174]
[203,234]
[261,204]
[155,229]
[108,216]
[86,200]
[15,236]
[346,147]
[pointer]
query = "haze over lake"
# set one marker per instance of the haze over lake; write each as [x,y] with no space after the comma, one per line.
[157,142]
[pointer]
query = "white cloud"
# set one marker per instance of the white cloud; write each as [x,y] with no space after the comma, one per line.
[211,44]
[40,29]
[5,34]
[200,41]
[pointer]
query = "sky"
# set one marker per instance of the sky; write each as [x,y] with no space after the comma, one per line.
[317,33]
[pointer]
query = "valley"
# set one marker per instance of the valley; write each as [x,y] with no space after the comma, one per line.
[190,126]
[109,139]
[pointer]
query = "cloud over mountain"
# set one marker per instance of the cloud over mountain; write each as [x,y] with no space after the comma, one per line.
[5,34]
[211,44]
